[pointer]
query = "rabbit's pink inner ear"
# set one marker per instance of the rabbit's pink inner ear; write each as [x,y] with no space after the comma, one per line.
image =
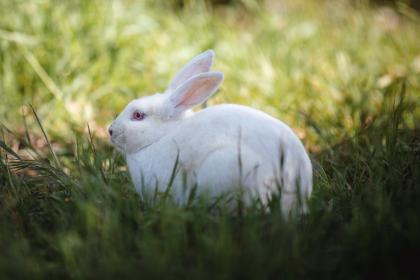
[199,64]
[194,95]
[196,90]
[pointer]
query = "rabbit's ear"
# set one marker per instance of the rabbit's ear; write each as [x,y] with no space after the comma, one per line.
[195,91]
[199,64]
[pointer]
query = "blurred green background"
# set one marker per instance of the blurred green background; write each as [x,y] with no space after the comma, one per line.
[345,75]
[306,62]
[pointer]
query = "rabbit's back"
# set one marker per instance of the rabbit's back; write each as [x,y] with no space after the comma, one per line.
[240,126]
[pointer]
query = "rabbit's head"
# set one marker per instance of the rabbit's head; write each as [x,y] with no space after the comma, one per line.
[146,120]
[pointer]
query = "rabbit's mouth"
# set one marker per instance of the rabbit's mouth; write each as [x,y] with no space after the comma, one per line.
[118,141]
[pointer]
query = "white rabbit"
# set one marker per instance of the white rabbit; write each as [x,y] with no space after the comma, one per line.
[218,148]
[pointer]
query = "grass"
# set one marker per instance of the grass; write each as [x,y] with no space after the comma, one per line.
[344,75]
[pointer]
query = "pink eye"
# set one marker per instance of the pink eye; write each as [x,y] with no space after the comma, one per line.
[138,116]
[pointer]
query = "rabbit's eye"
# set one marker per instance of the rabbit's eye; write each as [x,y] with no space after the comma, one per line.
[138,116]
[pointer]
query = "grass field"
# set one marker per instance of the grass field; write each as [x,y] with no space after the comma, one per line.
[344,74]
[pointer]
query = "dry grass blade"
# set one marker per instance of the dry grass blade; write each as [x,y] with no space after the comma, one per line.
[57,162]
[42,74]
[17,37]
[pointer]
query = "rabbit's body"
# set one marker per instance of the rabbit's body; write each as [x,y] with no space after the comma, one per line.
[247,151]
[219,149]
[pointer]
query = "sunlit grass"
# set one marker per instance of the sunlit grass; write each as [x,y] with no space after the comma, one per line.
[79,62]
[345,75]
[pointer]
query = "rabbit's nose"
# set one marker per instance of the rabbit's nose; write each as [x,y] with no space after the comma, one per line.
[110,131]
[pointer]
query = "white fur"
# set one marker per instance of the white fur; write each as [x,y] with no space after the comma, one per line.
[219,148]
